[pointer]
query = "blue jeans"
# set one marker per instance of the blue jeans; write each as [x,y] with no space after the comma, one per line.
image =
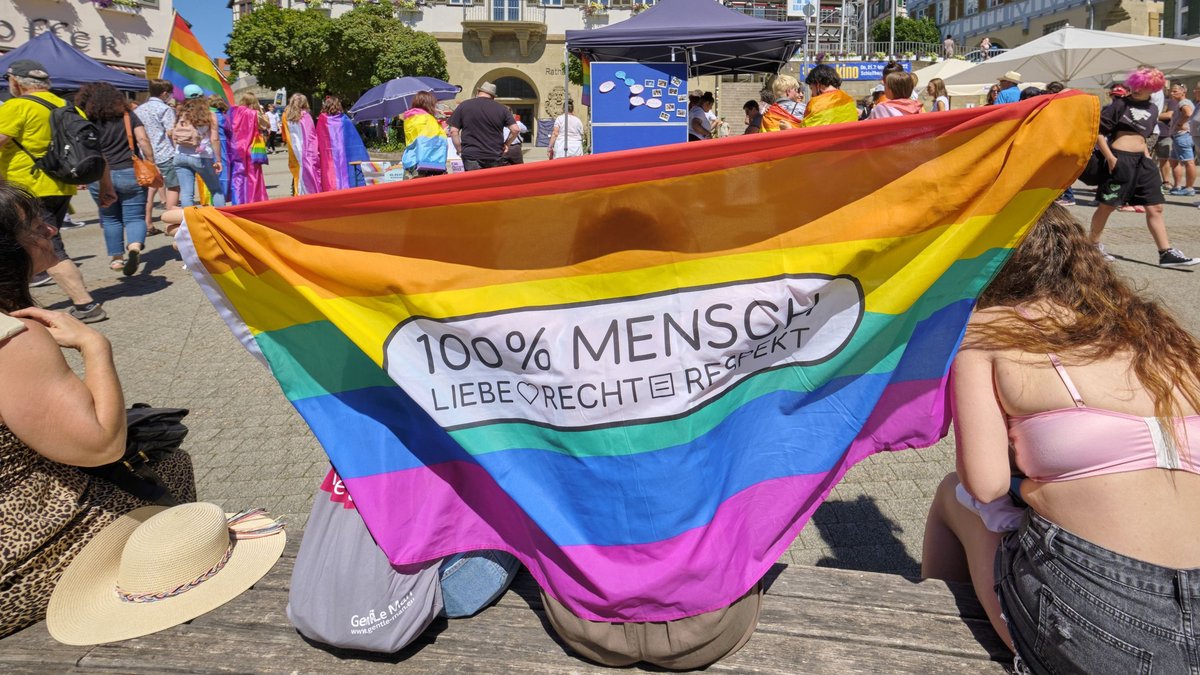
[1075,607]
[471,581]
[186,169]
[124,221]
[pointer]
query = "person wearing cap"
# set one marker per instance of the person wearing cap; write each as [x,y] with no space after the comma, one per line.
[24,135]
[478,129]
[1010,88]
[52,422]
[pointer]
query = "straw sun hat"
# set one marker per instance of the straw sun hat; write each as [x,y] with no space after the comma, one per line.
[155,567]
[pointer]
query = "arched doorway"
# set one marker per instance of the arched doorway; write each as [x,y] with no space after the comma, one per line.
[518,93]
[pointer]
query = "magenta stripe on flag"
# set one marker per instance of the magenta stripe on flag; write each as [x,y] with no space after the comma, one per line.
[416,515]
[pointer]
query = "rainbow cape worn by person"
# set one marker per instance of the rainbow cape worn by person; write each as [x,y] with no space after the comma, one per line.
[832,107]
[186,63]
[340,149]
[559,360]
[778,119]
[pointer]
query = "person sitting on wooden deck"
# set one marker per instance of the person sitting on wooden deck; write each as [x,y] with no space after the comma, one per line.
[1089,394]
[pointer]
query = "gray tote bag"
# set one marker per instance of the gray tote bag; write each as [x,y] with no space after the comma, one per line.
[344,591]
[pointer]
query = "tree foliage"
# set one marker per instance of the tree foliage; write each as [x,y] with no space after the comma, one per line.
[575,70]
[907,30]
[283,48]
[306,51]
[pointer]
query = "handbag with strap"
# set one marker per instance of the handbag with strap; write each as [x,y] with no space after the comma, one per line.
[146,173]
[153,434]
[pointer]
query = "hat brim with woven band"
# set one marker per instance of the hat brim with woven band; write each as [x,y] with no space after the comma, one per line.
[85,609]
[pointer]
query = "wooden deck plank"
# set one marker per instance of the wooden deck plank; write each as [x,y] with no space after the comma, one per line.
[814,620]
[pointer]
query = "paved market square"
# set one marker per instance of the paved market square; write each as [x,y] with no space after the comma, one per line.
[250,447]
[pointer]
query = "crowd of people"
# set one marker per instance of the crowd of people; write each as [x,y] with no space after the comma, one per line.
[1075,399]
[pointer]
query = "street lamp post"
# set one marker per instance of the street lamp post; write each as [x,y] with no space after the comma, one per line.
[892,43]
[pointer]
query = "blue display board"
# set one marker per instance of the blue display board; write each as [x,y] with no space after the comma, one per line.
[638,105]
[858,70]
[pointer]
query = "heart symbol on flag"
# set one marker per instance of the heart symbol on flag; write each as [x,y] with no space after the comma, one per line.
[529,392]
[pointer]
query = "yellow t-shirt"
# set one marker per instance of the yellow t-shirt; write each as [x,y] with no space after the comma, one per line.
[29,123]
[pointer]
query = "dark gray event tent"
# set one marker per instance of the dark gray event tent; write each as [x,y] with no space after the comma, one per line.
[710,37]
[69,68]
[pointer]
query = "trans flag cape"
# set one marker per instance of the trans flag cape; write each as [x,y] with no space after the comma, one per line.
[565,361]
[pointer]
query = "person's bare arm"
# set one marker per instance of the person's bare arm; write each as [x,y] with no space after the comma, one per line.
[698,128]
[454,136]
[553,138]
[513,132]
[980,431]
[143,141]
[63,418]
[214,140]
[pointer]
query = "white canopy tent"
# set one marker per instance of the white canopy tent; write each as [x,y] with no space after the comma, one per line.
[1079,58]
[946,69]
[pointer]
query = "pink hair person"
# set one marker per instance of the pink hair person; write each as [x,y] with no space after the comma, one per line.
[1144,79]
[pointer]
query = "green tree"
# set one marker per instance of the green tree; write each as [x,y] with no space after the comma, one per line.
[415,55]
[306,51]
[575,70]
[378,47]
[283,48]
[907,30]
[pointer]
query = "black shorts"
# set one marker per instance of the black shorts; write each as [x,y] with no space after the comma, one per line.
[55,212]
[1135,181]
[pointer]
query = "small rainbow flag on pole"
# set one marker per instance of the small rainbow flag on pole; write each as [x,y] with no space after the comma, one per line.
[640,372]
[187,63]
[586,97]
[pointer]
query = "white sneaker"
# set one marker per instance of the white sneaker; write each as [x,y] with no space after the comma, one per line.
[1106,254]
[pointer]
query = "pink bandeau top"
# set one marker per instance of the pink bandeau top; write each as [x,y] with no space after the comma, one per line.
[1082,442]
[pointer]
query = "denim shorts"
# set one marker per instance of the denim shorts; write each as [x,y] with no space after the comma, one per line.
[1075,607]
[1182,149]
[167,169]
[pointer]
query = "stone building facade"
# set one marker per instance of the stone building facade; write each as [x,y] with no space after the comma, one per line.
[124,37]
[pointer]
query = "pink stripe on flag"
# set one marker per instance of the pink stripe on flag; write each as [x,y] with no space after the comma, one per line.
[416,515]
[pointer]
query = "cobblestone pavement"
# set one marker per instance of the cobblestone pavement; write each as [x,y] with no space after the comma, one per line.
[250,448]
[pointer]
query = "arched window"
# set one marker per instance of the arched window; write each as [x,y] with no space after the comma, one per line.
[514,87]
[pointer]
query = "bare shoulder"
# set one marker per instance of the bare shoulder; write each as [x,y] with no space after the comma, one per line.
[983,317]
[30,351]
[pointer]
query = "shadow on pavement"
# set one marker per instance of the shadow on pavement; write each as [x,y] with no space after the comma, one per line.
[862,538]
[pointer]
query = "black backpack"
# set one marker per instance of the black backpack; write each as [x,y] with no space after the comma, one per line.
[74,155]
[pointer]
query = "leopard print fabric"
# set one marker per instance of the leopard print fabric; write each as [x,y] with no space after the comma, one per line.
[48,513]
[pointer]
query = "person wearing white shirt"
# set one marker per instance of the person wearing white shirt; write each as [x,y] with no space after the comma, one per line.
[566,140]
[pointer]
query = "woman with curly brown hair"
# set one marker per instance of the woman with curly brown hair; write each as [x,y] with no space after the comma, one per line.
[1074,396]
[124,222]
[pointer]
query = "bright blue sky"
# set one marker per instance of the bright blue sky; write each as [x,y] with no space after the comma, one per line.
[211,21]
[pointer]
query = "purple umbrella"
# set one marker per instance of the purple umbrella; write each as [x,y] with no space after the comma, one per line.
[385,101]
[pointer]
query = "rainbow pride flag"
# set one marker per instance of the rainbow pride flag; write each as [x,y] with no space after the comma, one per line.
[586,96]
[186,63]
[640,372]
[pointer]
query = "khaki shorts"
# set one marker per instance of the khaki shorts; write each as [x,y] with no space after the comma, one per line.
[682,644]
